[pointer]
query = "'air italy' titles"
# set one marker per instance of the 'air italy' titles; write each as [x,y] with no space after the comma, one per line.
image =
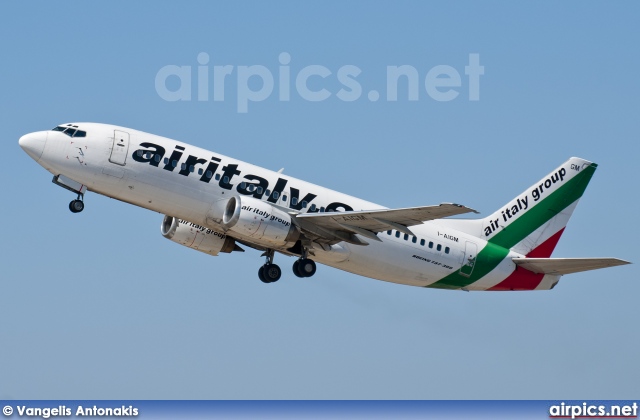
[522,204]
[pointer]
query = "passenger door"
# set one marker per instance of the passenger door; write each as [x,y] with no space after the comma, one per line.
[120,148]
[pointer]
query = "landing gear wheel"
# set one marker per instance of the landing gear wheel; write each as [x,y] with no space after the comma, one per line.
[261,275]
[271,272]
[296,269]
[306,267]
[76,206]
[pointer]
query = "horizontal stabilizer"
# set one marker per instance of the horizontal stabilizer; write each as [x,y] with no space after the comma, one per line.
[561,266]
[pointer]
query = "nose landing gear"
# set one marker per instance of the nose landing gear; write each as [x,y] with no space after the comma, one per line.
[76,206]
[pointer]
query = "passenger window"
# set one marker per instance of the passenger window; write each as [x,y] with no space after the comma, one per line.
[397,234]
[294,200]
[174,163]
[166,161]
[313,207]
[147,155]
[430,244]
[192,168]
[259,191]
[414,240]
[422,242]
[209,174]
[267,192]
[200,172]
[388,232]
[243,185]
[251,188]
[225,180]
[284,197]
[139,153]
[446,250]
[157,158]
[217,177]
[321,209]
[439,247]
[276,194]
[304,204]
[406,236]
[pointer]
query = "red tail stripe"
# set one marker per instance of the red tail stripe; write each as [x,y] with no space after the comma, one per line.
[545,249]
[522,279]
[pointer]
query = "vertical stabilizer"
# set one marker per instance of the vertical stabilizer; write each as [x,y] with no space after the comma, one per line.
[532,222]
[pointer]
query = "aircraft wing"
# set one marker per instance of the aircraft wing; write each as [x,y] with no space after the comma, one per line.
[343,225]
[560,266]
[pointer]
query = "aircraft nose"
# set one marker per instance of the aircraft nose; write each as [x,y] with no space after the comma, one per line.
[33,144]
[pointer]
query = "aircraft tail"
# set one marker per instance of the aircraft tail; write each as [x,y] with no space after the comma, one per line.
[532,223]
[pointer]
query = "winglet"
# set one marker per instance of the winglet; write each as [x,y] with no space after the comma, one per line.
[463,206]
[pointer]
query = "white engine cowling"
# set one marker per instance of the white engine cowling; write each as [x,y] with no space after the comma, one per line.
[196,237]
[259,221]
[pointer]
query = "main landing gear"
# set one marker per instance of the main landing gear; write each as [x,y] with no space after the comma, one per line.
[304,267]
[270,272]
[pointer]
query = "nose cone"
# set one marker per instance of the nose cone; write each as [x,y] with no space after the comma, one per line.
[33,144]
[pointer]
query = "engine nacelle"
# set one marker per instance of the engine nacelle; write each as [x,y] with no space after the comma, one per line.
[259,221]
[196,237]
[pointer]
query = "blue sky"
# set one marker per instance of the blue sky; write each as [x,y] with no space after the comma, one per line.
[99,305]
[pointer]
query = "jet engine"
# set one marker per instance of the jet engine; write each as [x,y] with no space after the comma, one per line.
[197,237]
[259,221]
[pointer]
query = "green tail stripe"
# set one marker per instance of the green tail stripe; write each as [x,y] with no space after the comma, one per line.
[487,260]
[543,211]
[498,247]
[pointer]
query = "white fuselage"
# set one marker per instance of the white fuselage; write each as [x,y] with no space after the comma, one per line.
[121,163]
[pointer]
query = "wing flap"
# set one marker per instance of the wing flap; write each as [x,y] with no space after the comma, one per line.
[561,266]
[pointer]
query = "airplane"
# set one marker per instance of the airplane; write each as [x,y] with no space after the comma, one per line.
[216,204]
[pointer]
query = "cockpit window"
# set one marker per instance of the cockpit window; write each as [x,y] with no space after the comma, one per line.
[70,130]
